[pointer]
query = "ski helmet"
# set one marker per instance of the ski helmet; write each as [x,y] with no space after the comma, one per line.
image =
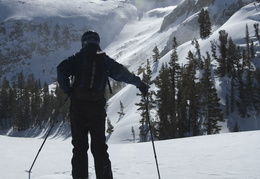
[90,37]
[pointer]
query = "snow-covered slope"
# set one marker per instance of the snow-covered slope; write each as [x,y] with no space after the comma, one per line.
[183,21]
[134,45]
[37,35]
[230,156]
[235,27]
[50,31]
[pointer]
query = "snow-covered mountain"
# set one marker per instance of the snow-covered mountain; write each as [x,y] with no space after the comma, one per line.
[235,28]
[37,35]
[183,20]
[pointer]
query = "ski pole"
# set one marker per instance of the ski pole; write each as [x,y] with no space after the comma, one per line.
[56,115]
[150,129]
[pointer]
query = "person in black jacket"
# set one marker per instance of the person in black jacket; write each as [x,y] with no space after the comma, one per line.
[90,69]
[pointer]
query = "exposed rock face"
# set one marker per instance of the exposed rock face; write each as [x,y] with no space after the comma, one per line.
[185,16]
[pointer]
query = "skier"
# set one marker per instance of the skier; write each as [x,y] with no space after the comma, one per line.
[90,69]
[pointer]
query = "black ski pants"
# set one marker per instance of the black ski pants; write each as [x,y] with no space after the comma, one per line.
[89,117]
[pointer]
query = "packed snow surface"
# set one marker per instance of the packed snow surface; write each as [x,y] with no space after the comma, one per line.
[223,156]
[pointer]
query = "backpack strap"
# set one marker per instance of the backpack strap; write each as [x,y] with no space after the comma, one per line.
[92,78]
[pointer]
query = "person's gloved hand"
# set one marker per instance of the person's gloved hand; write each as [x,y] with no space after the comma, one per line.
[144,89]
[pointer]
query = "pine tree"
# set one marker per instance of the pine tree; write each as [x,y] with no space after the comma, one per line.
[209,100]
[133,133]
[231,58]
[147,75]
[121,111]
[227,105]
[252,50]
[46,107]
[193,110]
[110,127]
[20,85]
[198,54]
[19,109]
[242,102]
[26,104]
[256,26]
[12,105]
[4,106]
[22,119]
[207,24]
[140,70]
[35,98]
[174,76]
[246,93]
[201,22]
[26,117]
[30,82]
[156,55]
[166,126]
[192,92]
[232,96]
[257,90]
[249,89]
[192,60]
[247,39]
[223,39]
[182,102]
[204,23]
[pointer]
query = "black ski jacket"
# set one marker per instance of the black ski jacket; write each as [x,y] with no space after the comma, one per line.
[72,66]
